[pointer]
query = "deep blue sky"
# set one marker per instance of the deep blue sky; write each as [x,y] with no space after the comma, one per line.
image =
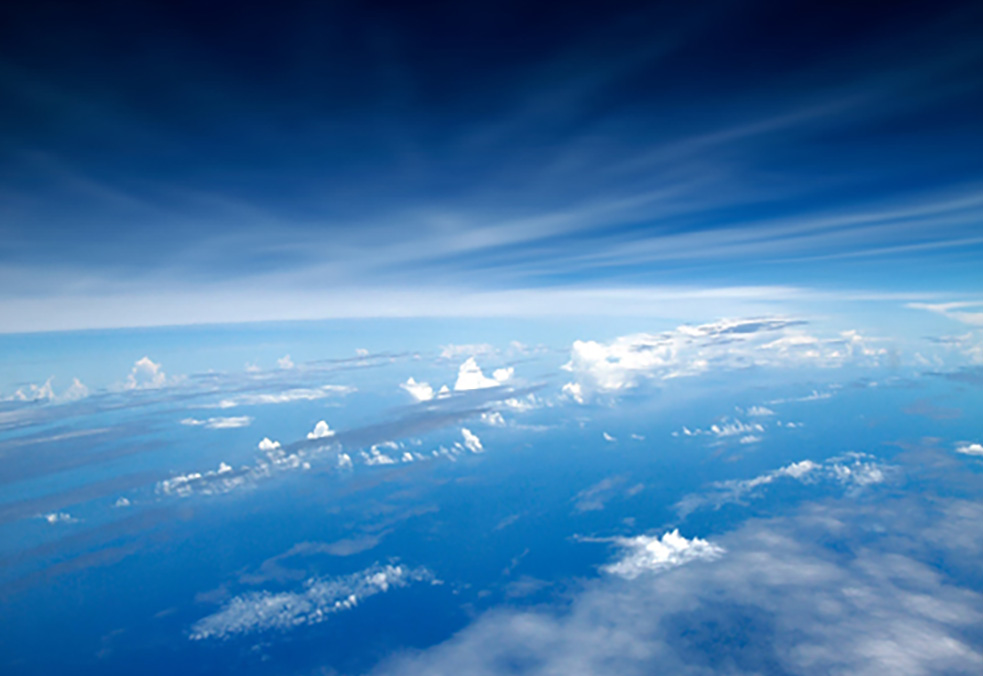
[205,161]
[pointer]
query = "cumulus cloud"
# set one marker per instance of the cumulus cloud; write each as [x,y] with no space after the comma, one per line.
[471,441]
[727,344]
[727,428]
[145,374]
[220,423]
[219,480]
[419,391]
[321,431]
[970,449]
[285,362]
[652,554]
[316,602]
[344,461]
[33,392]
[267,444]
[77,390]
[760,411]
[493,419]
[470,377]
[121,502]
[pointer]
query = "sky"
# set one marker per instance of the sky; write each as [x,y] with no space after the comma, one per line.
[183,163]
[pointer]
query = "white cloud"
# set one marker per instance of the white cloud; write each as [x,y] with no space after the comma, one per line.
[759,411]
[361,352]
[220,423]
[122,502]
[59,517]
[727,428]
[321,431]
[956,311]
[493,418]
[471,441]
[32,392]
[970,449]
[854,470]
[608,437]
[267,444]
[503,374]
[470,377]
[285,362]
[319,599]
[419,391]
[573,390]
[814,594]
[649,554]
[145,374]
[727,344]
[344,461]
[77,390]
[285,397]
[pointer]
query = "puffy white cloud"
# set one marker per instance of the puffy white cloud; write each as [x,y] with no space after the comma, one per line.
[32,392]
[145,374]
[77,390]
[727,428]
[344,461]
[650,554]
[471,441]
[470,377]
[285,362]
[321,431]
[503,374]
[220,423]
[122,502]
[319,599]
[212,482]
[970,449]
[419,391]
[727,344]
[267,444]
[573,390]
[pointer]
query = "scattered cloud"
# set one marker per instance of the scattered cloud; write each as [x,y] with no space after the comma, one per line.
[321,431]
[651,554]
[970,449]
[493,419]
[285,362]
[122,502]
[267,444]
[854,470]
[284,397]
[760,411]
[470,377]
[316,602]
[693,350]
[608,437]
[220,423]
[964,312]
[419,391]
[453,352]
[471,441]
[145,374]
[58,517]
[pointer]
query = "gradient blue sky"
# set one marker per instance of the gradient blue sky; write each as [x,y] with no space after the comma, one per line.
[201,162]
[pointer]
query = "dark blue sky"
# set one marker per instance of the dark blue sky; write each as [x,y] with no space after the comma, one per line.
[200,161]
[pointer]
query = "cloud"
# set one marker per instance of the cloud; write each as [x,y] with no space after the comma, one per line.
[58,517]
[651,554]
[607,437]
[344,461]
[220,480]
[32,392]
[493,419]
[284,397]
[854,470]
[955,311]
[77,390]
[220,423]
[321,431]
[471,441]
[267,444]
[145,374]
[760,411]
[122,502]
[470,377]
[747,433]
[693,350]
[285,362]
[573,390]
[970,449]
[316,602]
[419,391]
[820,592]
